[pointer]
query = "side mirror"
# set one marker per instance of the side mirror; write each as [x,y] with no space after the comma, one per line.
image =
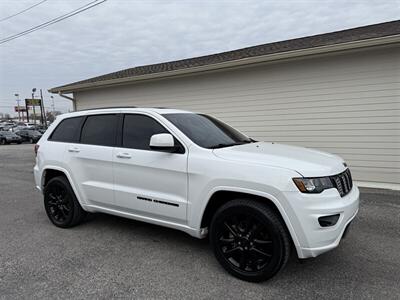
[162,142]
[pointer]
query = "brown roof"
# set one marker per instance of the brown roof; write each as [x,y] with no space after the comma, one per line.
[327,39]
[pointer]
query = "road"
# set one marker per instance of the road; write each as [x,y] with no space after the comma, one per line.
[114,257]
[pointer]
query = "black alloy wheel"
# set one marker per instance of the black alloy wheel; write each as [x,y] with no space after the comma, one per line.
[249,240]
[62,207]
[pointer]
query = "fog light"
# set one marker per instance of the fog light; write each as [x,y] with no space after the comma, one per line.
[328,220]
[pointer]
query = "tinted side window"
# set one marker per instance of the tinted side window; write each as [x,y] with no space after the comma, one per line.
[138,130]
[99,130]
[68,130]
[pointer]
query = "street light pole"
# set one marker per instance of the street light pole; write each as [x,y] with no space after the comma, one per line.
[52,104]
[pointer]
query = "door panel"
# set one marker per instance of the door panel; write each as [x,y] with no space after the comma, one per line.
[151,182]
[92,171]
[147,182]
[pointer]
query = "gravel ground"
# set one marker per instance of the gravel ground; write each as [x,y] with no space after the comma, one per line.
[114,257]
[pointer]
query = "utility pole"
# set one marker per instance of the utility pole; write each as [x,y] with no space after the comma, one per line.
[19,113]
[44,121]
[27,111]
[34,111]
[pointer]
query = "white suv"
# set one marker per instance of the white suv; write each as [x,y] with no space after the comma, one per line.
[255,200]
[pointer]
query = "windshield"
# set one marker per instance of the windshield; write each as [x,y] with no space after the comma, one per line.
[206,131]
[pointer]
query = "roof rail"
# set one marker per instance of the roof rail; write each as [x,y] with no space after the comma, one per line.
[107,107]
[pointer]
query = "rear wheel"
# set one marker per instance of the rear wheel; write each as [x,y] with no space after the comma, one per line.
[249,240]
[3,141]
[62,207]
[31,141]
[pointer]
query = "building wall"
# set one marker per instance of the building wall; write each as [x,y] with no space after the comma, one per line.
[348,104]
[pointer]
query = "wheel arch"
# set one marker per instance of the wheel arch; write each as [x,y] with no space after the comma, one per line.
[223,195]
[54,171]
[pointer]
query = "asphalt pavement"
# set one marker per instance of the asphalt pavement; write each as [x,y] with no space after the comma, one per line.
[111,257]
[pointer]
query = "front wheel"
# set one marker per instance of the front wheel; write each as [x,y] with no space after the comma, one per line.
[3,141]
[249,240]
[62,207]
[31,141]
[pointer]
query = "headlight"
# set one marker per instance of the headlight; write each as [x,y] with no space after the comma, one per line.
[313,185]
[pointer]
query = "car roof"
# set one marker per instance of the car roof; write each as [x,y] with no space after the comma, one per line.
[125,109]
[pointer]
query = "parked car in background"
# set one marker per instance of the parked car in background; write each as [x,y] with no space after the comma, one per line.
[40,128]
[31,136]
[7,124]
[7,137]
[16,128]
[25,125]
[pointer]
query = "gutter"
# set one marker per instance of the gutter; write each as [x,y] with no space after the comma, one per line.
[69,98]
[234,63]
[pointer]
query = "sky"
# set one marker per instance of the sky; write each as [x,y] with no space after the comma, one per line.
[120,34]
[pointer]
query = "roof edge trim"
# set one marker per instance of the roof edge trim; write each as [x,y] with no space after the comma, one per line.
[392,39]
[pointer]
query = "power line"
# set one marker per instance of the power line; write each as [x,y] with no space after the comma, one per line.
[53,21]
[22,11]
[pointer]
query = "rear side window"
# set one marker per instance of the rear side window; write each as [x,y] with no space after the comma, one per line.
[67,131]
[138,130]
[99,130]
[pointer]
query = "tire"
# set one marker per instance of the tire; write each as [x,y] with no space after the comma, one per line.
[249,240]
[31,141]
[61,205]
[3,142]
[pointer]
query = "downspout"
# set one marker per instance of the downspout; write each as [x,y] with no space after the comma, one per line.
[69,98]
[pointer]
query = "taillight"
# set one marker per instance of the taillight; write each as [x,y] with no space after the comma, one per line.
[36,148]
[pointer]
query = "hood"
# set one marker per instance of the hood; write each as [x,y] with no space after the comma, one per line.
[307,162]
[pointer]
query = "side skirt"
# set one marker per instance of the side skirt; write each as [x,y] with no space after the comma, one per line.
[198,233]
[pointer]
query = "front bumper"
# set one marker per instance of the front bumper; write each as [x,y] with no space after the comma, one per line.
[304,211]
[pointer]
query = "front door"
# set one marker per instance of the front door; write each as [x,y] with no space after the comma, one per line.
[147,182]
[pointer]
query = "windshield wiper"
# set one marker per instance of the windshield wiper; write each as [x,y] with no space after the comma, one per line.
[223,145]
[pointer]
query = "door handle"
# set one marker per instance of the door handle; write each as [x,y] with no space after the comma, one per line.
[123,155]
[74,149]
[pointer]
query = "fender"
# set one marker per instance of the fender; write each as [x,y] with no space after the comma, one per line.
[255,193]
[67,174]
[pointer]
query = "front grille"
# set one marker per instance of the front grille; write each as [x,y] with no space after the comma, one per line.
[343,182]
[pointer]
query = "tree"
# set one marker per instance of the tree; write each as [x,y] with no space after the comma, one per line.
[51,116]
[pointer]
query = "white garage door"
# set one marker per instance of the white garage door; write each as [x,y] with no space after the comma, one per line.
[348,104]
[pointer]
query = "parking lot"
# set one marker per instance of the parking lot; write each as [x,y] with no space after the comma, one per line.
[114,257]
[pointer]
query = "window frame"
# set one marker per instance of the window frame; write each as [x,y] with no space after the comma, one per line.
[182,148]
[50,138]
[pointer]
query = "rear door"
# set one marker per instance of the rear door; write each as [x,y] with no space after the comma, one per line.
[148,182]
[23,135]
[91,159]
